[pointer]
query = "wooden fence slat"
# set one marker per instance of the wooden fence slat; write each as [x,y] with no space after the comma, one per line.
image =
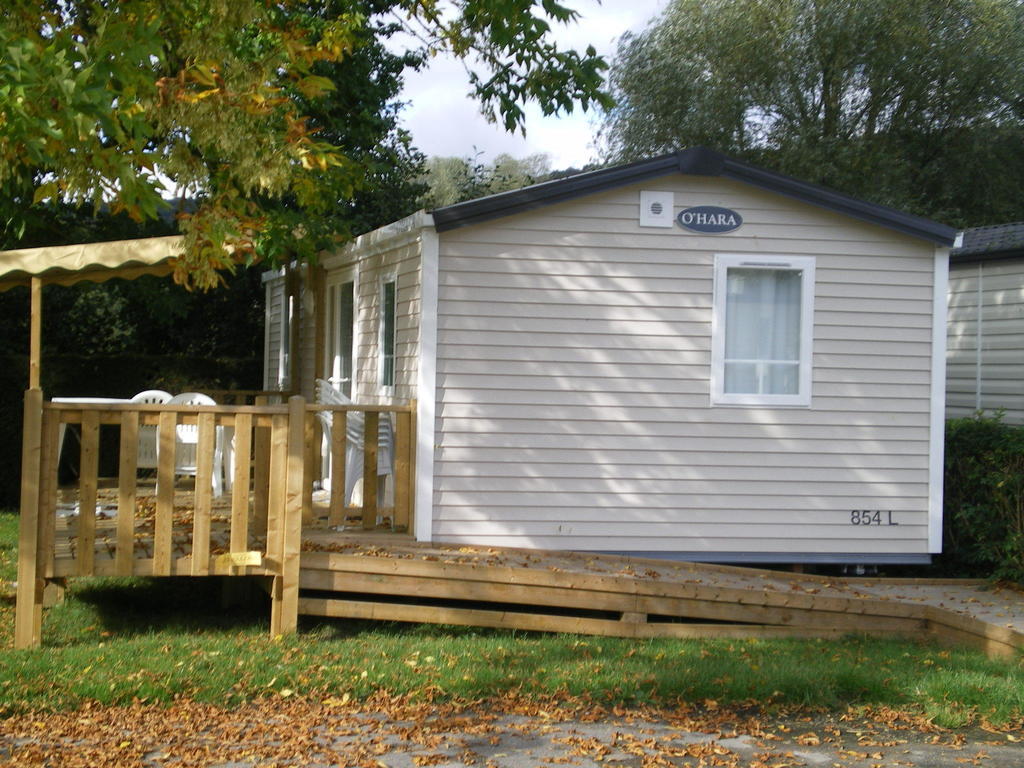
[29,610]
[371,437]
[310,458]
[164,518]
[48,492]
[205,448]
[240,484]
[88,470]
[403,464]
[126,490]
[339,444]
[276,495]
[261,473]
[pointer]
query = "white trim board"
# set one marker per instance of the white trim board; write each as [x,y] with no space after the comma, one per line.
[426,385]
[937,437]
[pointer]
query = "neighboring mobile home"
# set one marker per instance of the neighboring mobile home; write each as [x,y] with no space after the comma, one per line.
[985,357]
[682,357]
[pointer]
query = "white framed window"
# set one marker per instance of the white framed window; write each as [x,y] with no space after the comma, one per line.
[388,309]
[762,330]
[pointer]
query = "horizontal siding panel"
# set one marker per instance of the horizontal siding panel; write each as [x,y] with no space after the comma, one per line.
[509,258]
[542,240]
[665,488]
[556,337]
[637,277]
[776,226]
[783,545]
[548,349]
[856,383]
[463,340]
[874,306]
[710,437]
[452,461]
[694,366]
[696,295]
[1003,387]
[719,503]
[477,315]
[825,289]
[564,397]
[683,517]
[865,497]
[603,470]
[632,530]
[692,409]
[688,293]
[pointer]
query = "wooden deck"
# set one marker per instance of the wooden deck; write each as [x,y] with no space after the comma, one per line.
[321,557]
[595,594]
[384,575]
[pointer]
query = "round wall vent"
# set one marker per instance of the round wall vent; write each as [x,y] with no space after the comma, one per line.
[656,208]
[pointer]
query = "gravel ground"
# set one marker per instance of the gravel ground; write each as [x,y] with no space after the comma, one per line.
[330,732]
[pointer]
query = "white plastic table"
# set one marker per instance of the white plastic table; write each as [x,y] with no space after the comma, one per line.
[91,400]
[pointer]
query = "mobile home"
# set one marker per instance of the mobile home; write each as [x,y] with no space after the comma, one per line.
[985,357]
[685,357]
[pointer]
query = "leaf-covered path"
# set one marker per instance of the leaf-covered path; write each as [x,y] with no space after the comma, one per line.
[507,733]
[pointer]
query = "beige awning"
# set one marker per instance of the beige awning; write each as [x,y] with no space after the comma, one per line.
[67,264]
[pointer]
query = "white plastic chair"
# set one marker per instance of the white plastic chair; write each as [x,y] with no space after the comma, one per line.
[326,394]
[147,458]
[186,441]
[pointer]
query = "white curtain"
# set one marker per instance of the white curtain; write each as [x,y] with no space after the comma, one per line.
[762,331]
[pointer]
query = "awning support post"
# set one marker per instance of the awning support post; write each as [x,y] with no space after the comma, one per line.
[35,344]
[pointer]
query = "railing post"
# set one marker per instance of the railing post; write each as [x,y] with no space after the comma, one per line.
[284,615]
[402,469]
[29,611]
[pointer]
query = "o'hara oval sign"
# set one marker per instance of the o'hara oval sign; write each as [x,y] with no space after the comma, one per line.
[709,219]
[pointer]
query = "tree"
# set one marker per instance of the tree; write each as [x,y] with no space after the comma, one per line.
[104,100]
[454,179]
[917,104]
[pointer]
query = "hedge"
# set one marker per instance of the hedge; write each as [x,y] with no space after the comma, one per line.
[984,499]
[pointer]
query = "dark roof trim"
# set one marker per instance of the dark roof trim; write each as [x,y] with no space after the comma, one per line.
[991,243]
[974,258]
[698,161]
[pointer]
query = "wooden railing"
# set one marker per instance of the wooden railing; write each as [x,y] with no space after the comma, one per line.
[268,454]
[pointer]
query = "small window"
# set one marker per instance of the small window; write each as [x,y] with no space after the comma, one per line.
[762,330]
[387,334]
[284,352]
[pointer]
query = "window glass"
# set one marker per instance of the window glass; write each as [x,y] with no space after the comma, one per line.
[762,331]
[387,342]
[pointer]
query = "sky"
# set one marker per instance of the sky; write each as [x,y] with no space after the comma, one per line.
[444,121]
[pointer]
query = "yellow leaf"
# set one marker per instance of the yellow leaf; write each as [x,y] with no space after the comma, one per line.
[45,191]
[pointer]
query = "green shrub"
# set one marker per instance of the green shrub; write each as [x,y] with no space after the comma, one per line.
[984,499]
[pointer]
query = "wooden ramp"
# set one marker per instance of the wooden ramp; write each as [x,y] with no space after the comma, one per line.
[399,580]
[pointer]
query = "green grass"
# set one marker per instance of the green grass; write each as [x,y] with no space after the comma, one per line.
[115,641]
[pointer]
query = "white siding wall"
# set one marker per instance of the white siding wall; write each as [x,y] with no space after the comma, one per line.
[573,369]
[274,307]
[987,376]
[401,262]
